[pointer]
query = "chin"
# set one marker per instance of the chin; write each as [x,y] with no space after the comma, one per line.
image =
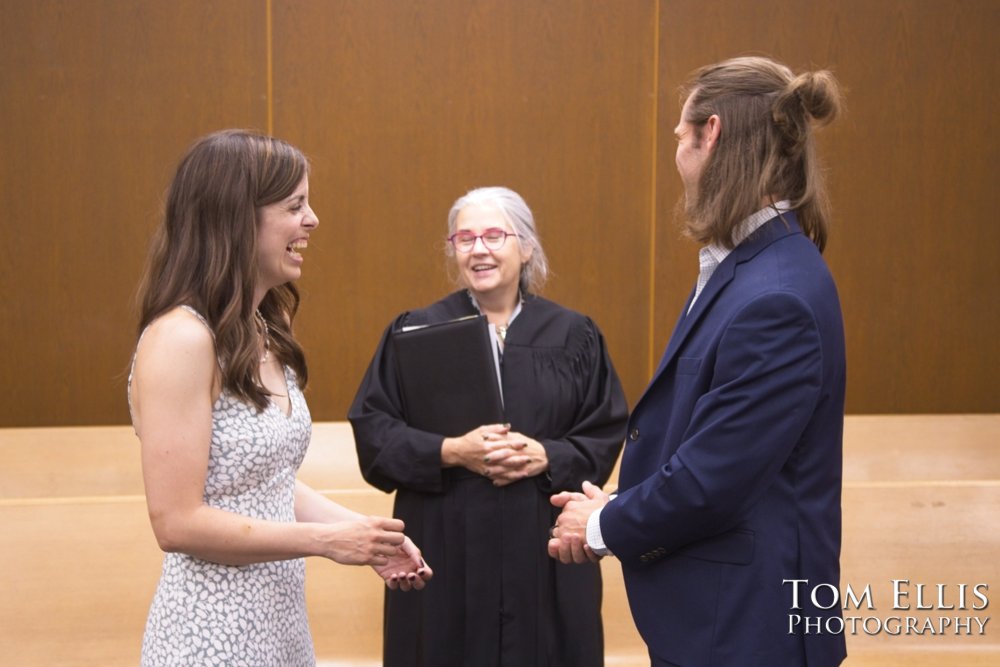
[477,290]
[485,286]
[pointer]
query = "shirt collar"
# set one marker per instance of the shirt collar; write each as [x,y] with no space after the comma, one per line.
[714,253]
[515,313]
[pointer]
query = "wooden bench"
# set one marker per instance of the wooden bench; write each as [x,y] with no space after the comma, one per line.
[78,562]
[921,502]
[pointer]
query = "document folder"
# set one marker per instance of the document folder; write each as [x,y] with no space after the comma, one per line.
[448,377]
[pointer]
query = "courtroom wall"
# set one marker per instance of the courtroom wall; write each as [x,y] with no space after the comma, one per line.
[403,105]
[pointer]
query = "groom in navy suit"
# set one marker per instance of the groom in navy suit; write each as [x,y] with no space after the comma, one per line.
[730,481]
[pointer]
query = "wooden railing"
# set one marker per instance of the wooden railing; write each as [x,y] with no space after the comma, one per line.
[78,562]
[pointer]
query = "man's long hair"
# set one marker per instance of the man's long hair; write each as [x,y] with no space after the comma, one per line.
[766,148]
[204,253]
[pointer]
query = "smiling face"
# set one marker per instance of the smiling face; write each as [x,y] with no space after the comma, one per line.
[283,230]
[489,273]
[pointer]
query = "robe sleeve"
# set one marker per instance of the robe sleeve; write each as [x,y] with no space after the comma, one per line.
[589,449]
[391,453]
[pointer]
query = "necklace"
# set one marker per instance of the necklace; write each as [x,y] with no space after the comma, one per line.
[501,329]
[267,336]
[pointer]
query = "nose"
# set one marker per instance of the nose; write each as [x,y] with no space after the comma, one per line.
[479,246]
[310,221]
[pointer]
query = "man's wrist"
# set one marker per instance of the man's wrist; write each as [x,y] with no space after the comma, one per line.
[594,538]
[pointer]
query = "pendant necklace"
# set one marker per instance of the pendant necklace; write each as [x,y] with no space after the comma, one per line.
[266,334]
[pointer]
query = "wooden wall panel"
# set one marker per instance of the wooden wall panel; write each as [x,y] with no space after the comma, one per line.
[98,100]
[404,106]
[912,168]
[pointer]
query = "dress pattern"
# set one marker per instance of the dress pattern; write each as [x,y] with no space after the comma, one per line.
[207,614]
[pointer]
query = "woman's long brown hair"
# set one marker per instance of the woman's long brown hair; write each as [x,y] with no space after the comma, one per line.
[204,253]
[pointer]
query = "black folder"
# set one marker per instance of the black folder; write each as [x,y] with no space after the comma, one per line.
[448,376]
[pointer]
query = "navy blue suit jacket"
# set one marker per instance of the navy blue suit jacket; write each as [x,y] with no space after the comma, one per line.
[730,480]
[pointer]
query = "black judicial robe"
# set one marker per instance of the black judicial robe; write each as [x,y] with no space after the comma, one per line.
[497,598]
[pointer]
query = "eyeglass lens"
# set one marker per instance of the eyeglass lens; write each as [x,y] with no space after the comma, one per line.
[493,239]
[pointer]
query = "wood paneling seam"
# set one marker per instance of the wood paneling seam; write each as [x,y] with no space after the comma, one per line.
[270,67]
[910,484]
[651,349]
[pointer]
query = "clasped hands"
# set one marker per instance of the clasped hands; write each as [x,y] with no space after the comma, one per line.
[568,537]
[496,452]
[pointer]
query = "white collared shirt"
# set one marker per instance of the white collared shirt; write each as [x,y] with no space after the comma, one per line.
[497,344]
[713,254]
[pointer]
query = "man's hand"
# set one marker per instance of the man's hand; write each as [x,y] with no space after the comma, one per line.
[568,537]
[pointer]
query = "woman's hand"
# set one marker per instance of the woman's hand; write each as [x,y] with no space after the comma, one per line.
[496,452]
[469,450]
[513,457]
[406,569]
[369,540]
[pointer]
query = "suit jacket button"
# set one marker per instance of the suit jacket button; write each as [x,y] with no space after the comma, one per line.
[634,435]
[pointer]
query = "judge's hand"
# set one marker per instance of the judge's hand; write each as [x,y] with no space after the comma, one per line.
[405,569]
[470,450]
[568,537]
[513,457]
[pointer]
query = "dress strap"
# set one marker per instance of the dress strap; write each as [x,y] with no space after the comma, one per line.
[131,369]
[201,317]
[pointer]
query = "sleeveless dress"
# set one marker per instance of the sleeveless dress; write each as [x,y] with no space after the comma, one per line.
[207,614]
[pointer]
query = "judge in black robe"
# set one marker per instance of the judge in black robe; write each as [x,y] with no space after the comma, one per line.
[497,599]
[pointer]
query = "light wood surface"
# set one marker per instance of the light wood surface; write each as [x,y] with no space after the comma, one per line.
[78,563]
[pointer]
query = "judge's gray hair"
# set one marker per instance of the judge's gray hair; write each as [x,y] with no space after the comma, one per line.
[515,211]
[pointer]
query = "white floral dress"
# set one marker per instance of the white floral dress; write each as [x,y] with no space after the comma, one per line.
[207,614]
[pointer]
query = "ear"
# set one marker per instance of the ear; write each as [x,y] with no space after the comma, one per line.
[525,253]
[712,131]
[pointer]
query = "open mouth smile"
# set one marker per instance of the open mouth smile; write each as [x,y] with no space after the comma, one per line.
[295,248]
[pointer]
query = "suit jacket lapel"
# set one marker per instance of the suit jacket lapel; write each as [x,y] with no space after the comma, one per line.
[768,233]
[676,336]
